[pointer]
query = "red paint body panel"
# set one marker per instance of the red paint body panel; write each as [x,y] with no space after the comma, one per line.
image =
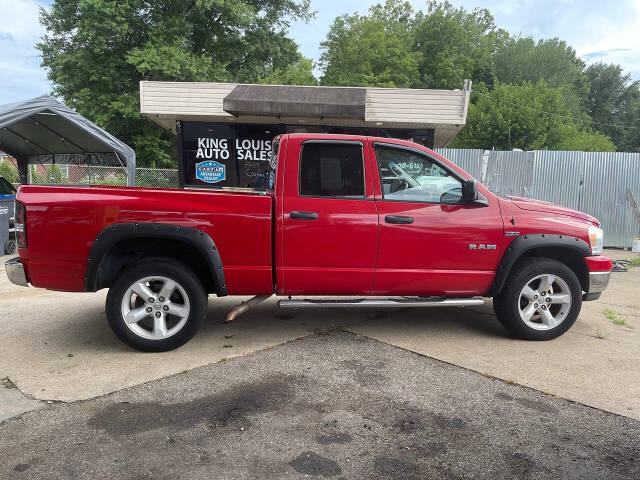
[537,221]
[335,254]
[599,263]
[348,250]
[432,254]
[63,222]
[547,207]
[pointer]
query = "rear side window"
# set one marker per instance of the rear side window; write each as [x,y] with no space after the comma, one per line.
[332,170]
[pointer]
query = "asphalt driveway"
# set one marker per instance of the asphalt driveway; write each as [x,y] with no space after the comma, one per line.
[332,405]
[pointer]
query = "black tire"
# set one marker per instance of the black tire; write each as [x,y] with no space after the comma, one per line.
[10,247]
[164,267]
[506,304]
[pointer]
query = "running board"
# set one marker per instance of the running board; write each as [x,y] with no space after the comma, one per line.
[386,303]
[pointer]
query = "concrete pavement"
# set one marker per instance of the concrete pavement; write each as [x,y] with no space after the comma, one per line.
[13,402]
[61,348]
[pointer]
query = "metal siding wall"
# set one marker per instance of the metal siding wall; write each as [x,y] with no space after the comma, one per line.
[593,182]
[600,193]
[414,105]
[631,175]
[510,173]
[558,177]
[470,160]
[605,196]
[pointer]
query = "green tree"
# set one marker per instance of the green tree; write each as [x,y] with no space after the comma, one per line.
[535,93]
[298,73]
[9,173]
[520,60]
[371,50]
[97,51]
[455,44]
[529,117]
[630,140]
[614,101]
[574,137]
[36,177]
[54,175]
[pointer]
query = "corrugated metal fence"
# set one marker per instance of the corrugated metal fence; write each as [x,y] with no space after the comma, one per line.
[593,182]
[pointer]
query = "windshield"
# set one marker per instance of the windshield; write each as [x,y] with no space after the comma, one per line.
[6,188]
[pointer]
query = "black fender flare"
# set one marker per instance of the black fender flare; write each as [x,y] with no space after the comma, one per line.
[525,243]
[117,232]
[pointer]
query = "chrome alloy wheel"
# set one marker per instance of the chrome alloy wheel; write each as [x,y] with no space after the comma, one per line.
[545,301]
[155,307]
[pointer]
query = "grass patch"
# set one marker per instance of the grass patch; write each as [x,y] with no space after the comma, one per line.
[635,262]
[615,318]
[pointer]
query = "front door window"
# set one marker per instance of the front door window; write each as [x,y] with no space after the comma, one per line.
[411,177]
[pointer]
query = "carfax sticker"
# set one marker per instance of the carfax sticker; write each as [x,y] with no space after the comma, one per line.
[210,171]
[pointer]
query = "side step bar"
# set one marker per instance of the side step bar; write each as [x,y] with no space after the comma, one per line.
[383,303]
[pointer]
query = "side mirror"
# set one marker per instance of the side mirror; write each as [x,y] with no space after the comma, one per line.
[470,191]
[452,197]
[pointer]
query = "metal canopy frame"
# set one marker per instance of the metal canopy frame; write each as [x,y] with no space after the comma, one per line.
[44,130]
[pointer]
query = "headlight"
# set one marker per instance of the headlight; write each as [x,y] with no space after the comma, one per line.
[596,239]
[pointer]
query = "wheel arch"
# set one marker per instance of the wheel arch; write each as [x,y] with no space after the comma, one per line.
[120,245]
[565,249]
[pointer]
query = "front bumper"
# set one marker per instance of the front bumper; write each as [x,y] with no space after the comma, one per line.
[599,268]
[598,282]
[15,272]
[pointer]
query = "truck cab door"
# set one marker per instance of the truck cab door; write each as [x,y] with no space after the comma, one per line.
[329,221]
[431,243]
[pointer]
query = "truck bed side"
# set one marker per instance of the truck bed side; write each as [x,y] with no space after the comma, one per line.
[64,221]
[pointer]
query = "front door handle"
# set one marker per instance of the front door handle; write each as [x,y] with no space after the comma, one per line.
[398,219]
[303,215]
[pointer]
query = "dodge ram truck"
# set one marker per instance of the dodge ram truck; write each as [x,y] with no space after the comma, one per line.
[385,221]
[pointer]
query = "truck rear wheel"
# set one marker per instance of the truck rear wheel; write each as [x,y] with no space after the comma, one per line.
[541,299]
[156,305]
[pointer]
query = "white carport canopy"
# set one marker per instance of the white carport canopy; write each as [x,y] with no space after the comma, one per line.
[43,130]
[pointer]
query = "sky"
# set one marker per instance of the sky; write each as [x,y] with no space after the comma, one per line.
[600,30]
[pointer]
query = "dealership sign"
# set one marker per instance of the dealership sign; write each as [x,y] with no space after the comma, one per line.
[217,148]
[226,155]
[245,148]
[210,171]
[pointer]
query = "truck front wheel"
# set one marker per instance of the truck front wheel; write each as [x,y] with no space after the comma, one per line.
[541,299]
[156,305]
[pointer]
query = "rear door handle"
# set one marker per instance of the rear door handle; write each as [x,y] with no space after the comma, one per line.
[398,219]
[303,215]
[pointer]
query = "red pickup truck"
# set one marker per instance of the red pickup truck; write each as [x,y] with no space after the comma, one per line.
[341,215]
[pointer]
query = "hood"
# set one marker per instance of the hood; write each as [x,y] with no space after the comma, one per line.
[548,207]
